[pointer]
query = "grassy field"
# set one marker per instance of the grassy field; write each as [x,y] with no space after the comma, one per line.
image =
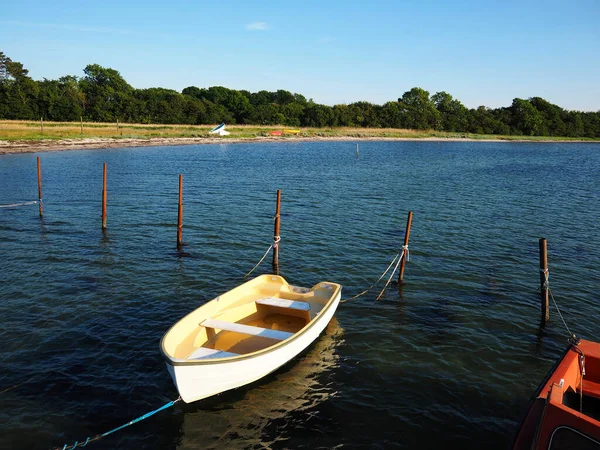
[18,130]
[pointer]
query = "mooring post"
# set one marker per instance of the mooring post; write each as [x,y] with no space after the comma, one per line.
[104,199]
[405,248]
[356,151]
[180,214]
[39,170]
[276,237]
[544,275]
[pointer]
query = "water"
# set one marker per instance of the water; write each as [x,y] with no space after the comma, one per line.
[453,356]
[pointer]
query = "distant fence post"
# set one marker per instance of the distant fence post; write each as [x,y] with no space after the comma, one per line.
[81,118]
[104,199]
[39,174]
[180,214]
[42,124]
[544,274]
[276,237]
[405,248]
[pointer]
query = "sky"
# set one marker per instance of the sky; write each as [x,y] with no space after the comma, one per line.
[481,52]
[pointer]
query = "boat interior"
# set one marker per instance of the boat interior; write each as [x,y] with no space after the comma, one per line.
[254,316]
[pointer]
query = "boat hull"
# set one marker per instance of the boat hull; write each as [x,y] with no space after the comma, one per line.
[198,381]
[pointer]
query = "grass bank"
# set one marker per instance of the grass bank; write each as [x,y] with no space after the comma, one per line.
[18,130]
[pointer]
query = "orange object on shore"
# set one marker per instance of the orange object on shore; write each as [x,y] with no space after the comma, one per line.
[276,133]
[565,411]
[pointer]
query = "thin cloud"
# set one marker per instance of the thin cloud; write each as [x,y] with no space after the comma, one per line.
[257,26]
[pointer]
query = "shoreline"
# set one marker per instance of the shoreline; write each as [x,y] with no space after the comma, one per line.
[33,146]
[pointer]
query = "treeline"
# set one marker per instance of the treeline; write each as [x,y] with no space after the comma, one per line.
[103,95]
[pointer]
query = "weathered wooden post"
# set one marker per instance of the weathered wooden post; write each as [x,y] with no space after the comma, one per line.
[356,151]
[180,215]
[276,237]
[405,248]
[39,170]
[104,200]
[544,275]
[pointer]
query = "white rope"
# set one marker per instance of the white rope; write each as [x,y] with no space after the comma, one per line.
[546,278]
[276,240]
[559,313]
[374,284]
[261,260]
[19,204]
[391,276]
[405,248]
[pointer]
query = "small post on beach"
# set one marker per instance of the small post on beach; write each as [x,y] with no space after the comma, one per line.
[405,248]
[81,119]
[117,126]
[276,237]
[42,124]
[104,199]
[180,215]
[544,274]
[39,170]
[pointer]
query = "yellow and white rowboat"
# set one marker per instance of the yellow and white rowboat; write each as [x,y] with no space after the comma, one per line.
[245,334]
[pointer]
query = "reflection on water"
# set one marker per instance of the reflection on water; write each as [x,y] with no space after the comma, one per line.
[238,419]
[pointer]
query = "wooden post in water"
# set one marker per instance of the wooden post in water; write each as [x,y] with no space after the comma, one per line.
[544,274]
[405,248]
[39,170]
[180,215]
[276,237]
[356,151]
[104,199]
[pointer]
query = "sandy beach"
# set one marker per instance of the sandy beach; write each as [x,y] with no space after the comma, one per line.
[48,145]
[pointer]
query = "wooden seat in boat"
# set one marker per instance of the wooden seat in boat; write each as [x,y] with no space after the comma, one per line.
[303,308]
[207,353]
[246,329]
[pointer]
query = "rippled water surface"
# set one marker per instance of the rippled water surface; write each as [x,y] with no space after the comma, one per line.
[452,356]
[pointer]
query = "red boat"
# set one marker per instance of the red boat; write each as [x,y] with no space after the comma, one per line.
[565,411]
[276,133]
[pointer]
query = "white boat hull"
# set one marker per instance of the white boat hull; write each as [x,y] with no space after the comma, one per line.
[197,381]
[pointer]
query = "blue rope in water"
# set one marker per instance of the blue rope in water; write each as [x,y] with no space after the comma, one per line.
[100,436]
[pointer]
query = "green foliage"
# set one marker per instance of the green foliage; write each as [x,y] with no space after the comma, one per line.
[103,95]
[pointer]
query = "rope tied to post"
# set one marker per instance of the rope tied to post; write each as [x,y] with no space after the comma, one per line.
[546,273]
[405,248]
[276,240]
[397,260]
[100,436]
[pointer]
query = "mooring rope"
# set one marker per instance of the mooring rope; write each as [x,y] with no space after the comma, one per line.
[12,205]
[276,240]
[392,275]
[374,284]
[100,436]
[398,257]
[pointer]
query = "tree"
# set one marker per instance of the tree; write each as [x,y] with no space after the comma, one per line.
[526,118]
[453,113]
[420,111]
[108,96]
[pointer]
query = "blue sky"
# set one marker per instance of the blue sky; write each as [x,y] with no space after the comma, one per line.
[481,52]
